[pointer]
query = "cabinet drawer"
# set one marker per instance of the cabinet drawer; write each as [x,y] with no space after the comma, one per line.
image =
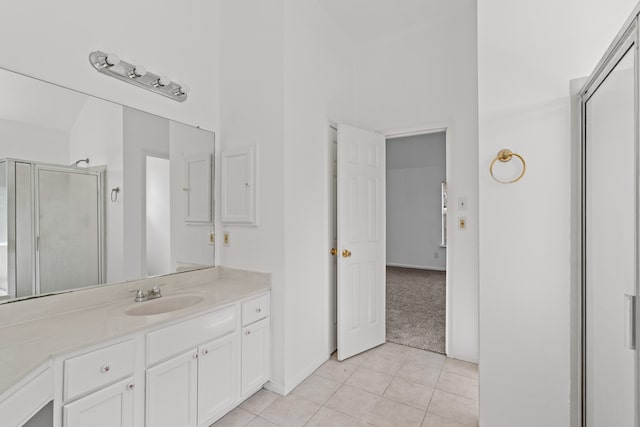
[178,338]
[98,368]
[255,309]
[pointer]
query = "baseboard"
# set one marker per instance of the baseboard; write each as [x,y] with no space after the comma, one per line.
[417,267]
[284,389]
[302,375]
[463,358]
[275,387]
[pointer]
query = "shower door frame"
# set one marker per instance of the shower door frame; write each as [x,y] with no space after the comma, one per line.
[11,220]
[627,38]
[35,168]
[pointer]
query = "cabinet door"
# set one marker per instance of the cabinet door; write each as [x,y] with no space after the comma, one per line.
[110,407]
[239,186]
[172,389]
[197,187]
[218,378]
[255,356]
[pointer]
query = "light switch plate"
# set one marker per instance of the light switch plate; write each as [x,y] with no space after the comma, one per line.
[462,203]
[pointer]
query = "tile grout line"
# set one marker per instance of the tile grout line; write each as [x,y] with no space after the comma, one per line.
[323,405]
[327,401]
[403,358]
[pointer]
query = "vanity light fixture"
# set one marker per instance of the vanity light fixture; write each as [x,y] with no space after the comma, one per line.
[111,65]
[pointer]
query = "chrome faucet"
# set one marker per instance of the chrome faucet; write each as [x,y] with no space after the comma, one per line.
[151,294]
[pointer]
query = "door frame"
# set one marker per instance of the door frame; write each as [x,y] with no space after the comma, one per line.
[332,127]
[143,205]
[627,38]
[425,129]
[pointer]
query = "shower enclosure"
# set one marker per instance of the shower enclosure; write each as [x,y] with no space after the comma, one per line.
[609,145]
[51,228]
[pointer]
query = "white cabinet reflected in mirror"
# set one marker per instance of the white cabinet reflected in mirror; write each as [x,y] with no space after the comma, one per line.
[93,192]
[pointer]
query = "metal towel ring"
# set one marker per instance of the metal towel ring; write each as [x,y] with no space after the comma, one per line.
[504,156]
[114,194]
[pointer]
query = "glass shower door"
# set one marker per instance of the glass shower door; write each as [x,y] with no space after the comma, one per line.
[610,239]
[68,234]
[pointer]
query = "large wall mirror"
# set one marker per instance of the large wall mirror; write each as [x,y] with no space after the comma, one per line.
[93,192]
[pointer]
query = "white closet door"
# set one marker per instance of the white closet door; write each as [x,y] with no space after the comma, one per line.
[610,248]
[361,240]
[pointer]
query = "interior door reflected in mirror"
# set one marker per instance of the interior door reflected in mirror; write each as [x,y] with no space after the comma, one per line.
[93,192]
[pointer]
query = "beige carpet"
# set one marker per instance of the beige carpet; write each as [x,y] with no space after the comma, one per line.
[416,304]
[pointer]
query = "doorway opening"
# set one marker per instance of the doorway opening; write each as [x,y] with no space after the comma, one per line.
[411,215]
[157,216]
[416,240]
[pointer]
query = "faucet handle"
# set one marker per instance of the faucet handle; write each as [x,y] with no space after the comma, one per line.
[139,295]
[156,289]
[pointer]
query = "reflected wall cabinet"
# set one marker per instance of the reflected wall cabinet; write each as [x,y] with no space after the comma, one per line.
[239,189]
[197,187]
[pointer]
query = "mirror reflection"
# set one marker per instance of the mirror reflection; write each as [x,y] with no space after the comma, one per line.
[93,192]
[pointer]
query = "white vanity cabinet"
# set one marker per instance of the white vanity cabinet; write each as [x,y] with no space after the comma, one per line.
[256,349]
[172,392]
[187,373]
[218,378]
[200,385]
[98,387]
[109,407]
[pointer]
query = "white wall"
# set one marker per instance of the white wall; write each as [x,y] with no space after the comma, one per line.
[52,41]
[251,112]
[527,54]
[26,142]
[294,65]
[143,134]
[426,77]
[318,86]
[97,135]
[416,167]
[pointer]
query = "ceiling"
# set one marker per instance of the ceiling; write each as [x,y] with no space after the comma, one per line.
[369,20]
[36,103]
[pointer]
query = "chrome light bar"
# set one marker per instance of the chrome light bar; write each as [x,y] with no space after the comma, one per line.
[111,65]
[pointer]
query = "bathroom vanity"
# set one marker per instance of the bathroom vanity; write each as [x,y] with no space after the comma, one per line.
[98,358]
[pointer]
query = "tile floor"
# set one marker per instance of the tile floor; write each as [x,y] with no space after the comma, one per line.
[390,385]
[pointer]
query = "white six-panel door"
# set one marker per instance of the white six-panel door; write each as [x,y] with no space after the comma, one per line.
[361,240]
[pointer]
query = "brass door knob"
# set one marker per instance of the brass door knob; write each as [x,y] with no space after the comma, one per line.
[334,251]
[346,253]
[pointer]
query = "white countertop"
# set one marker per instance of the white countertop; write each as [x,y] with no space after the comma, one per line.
[26,346]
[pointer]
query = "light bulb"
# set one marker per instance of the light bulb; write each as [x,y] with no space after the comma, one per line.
[184,89]
[139,71]
[164,80]
[112,59]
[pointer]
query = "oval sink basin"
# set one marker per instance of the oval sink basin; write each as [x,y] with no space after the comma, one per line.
[164,305]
